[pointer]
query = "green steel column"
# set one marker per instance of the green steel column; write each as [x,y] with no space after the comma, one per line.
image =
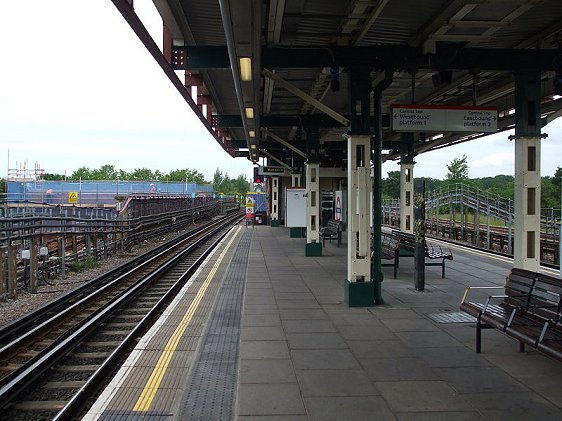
[359,286]
[376,270]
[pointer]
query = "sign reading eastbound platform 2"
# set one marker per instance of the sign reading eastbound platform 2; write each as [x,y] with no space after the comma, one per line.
[442,118]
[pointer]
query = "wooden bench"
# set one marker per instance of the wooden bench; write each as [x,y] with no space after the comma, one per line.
[408,246]
[390,248]
[332,230]
[529,310]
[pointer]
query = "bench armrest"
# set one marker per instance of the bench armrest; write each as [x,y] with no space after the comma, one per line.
[490,298]
[468,289]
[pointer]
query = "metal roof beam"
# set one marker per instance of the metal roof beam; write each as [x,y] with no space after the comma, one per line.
[319,120]
[285,143]
[448,56]
[280,162]
[305,97]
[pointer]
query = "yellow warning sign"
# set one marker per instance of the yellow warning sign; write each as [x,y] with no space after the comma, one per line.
[72,197]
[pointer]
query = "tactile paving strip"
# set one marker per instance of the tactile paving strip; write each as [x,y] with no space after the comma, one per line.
[457,317]
[212,388]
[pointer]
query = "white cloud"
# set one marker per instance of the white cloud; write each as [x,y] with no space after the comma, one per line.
[499,159]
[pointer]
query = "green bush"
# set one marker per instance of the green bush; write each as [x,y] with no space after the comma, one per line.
[80,265]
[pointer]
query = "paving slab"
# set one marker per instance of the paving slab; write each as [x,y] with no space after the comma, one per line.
[308,326]
[348,408]
[440,416]
[264,349]
[269,399]
[513,406]
[412,396]
[335,383]
[266,371]
[317,359]
[272,319]
[397,369]
[316,341]
[380,349]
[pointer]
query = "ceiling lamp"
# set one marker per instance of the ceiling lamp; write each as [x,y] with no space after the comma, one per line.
[245,69]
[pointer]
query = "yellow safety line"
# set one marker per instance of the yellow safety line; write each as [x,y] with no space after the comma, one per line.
[144,401]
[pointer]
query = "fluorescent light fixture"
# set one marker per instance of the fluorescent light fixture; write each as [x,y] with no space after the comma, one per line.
[245,69]
[252,133]
[249,112]
[253,146]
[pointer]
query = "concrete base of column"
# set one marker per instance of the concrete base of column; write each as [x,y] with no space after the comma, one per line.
[359,294]
[275,223]
[313,249]
[297,232]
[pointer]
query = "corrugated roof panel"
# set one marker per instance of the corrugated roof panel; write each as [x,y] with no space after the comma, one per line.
[535,20]
[491,11]
[400,21]
[205,22]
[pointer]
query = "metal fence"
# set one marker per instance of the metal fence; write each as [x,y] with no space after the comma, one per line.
[96,193]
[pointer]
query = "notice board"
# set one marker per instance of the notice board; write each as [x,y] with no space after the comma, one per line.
[295,198]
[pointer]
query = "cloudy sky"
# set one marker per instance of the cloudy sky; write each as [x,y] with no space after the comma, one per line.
[77,88]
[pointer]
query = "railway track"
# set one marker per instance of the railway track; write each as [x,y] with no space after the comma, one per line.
[70,348]
[496,240]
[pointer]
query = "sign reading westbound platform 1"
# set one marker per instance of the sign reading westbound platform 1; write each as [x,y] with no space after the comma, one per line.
[441,118]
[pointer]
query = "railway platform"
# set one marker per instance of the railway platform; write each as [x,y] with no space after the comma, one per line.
[262,333]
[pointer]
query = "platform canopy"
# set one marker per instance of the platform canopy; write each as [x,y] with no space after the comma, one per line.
[258,73]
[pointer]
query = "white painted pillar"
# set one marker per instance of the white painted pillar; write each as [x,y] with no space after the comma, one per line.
[274,198]
[526,253]
[296,180]
[313,202]
[407,197]
[359,208]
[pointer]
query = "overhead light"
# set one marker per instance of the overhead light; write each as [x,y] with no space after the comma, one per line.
[249,112]
[245,69]
[252,133]
[252,146]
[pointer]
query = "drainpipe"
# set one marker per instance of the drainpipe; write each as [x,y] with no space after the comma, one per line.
[227,24]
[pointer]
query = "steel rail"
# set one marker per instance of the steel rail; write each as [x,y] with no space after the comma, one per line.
[36,320]
[20,379]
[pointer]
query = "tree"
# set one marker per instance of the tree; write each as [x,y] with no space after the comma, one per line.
[142,174]
[458,170]
[53,177]
[550,190]
[240,185]
[557,181]
[106,172]
[219,180]
[391,185]
[82,173]
[187,175]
